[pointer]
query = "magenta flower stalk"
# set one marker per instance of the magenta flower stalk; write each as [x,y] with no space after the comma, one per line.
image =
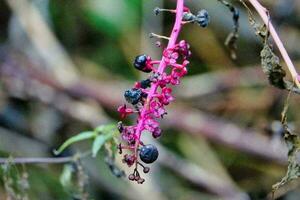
[149,97]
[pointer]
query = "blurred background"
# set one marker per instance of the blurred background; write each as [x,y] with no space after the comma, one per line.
[64,66]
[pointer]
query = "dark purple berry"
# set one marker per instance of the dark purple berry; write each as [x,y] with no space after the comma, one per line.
[145,83]
[187,16]
[140,63]
[144,95]
[133,95]
[202,18]
[148,153]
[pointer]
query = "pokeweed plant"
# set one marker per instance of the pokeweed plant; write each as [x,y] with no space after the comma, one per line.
[149,97]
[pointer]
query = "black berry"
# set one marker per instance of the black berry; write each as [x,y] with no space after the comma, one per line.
[148,153]
[145,83]
[156,10]
[187,16]
[133,95]
[140,63]
[202,18]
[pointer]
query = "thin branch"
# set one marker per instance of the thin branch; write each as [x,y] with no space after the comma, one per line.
[36,160]
[263,12]
[46,160]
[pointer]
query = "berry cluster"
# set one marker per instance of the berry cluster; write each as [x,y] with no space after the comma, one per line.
[202,18]
[150,96]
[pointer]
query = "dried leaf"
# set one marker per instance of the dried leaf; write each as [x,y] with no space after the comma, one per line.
[293,171]
[269,60]
[272,68]
[293,143]
[16,184]
[231,40]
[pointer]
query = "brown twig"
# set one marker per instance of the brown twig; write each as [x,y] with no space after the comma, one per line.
[44,160]
[36,160]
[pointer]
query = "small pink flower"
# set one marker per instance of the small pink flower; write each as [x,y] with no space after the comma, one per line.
[177,73]
[171,56]
[184,49]
[129,159]
[180,72]
[128,135]
[163,80]
[175,80]
[124,111]
[150,124]
[185,63]
[166,97]
[157,109]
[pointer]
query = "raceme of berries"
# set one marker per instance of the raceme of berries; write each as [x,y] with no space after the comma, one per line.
[149,97]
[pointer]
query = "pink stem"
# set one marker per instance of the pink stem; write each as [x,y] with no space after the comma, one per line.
[161,68]
[155,61]
[262,11]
